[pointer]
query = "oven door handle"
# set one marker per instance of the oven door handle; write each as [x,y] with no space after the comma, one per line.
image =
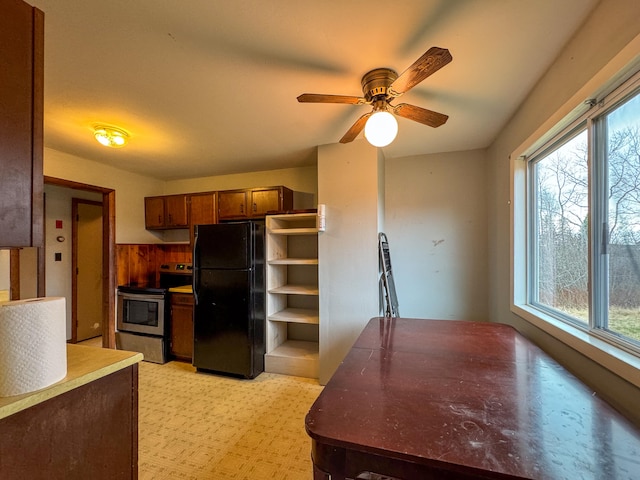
[140,296]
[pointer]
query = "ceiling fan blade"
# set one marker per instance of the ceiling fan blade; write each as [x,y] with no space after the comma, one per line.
[320,98]
[355,129]
[433,60]
[421,115]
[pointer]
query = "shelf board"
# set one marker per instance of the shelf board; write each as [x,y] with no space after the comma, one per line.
[293,231]
[293,261]
[295,290]
[296,315]
[296,349]
[293,357]
[294,216]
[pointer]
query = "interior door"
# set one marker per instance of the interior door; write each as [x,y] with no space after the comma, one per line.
[87,299]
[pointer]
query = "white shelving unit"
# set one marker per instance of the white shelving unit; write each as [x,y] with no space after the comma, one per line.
[292,295]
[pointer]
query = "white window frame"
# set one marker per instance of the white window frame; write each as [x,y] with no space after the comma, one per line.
[624,69]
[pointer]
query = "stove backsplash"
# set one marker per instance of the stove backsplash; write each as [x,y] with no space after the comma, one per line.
[138,264]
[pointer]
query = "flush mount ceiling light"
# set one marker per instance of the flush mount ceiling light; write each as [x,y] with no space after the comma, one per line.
[110,136]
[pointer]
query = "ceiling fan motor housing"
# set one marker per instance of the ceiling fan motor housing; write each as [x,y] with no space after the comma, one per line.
[376,83]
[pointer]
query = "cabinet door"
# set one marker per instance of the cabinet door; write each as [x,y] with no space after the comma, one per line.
[154,212]
[175,213]
[202,211]
[264,200]
[182,326]
[232,204]
[21,121]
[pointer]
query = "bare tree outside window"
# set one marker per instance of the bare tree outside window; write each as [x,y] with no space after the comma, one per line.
[562,235]
[623,170]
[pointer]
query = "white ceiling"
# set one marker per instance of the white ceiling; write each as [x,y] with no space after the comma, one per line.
[209,87]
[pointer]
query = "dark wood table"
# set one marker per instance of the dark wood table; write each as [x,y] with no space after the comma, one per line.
[423,399]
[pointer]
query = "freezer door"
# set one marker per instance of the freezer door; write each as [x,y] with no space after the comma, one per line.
[223,246]
[222,327]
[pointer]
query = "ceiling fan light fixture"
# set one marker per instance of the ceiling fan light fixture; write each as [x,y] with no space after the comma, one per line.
[110,136]
[381,129]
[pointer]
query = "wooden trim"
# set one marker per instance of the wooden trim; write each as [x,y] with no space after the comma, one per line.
[61,182]
[37,132]
[109,279]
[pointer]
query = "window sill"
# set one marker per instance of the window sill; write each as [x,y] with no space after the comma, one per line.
[611,357]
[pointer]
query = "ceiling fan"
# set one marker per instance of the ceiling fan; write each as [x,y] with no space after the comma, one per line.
[380,86]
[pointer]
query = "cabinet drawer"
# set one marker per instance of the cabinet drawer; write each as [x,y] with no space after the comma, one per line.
[181,299]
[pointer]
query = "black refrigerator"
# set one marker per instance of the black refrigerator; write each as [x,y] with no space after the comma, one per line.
[229,298]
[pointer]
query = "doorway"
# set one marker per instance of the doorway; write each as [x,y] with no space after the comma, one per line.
[87,288]
[108,254]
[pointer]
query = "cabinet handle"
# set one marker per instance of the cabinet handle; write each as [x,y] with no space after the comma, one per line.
[159,218]
[255,208]
[241,208]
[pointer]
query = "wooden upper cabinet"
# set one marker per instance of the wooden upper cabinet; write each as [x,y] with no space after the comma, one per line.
[186,210]
[254,202]
[154,212]
[21,124]
[175,211]
[264,200]
[232,204]
[202,210]
[169,211]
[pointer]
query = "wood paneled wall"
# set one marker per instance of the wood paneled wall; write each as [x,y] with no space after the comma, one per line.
[137,264]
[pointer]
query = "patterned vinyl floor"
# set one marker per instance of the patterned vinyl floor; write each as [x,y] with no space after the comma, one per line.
[201,426]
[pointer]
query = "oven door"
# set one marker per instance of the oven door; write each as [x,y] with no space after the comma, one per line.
[141,313]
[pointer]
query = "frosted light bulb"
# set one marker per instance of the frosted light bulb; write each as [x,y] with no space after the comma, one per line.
[381,129]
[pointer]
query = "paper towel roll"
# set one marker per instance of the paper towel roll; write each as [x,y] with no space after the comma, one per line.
[33,344]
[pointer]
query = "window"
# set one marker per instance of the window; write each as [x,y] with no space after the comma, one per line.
[582,227]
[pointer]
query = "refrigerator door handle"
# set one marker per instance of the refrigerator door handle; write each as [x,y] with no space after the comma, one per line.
[196,269]
[195,287]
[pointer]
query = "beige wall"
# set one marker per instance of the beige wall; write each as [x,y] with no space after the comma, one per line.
[130,191]
[435,221]
[612,25]
[348,177]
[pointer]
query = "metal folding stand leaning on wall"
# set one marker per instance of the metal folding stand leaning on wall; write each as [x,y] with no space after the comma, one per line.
[390,296]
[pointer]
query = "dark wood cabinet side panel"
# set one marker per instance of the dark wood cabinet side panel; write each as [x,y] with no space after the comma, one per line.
[37,134]
[21,180]
[88,432]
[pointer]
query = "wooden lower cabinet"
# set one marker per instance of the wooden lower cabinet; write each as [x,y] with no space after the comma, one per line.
[182,326]
[88,432]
